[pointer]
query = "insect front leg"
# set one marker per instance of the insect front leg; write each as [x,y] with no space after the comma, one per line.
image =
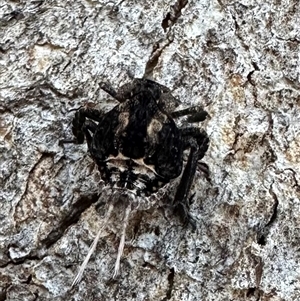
[81,126]
[79,122]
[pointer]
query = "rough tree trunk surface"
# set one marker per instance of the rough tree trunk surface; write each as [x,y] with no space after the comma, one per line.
[240,60]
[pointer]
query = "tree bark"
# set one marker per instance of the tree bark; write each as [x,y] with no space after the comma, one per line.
[240,61]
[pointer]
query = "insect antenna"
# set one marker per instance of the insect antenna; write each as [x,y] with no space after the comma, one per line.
[122,241]
[92,247]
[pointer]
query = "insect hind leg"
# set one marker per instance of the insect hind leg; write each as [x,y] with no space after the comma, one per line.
[195,114]
[197,140]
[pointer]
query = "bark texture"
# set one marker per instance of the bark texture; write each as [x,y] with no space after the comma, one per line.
[240,60]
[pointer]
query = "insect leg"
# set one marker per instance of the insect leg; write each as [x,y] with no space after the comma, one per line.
[181,197]
[195,137]
[197,141]
[80,120]
[124,91]
[196,114]
[136,86]
[80,124]
[88,128]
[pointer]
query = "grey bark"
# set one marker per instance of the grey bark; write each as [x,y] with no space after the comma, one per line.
[240,60]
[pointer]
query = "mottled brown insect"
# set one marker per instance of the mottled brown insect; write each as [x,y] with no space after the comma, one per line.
[138,148]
